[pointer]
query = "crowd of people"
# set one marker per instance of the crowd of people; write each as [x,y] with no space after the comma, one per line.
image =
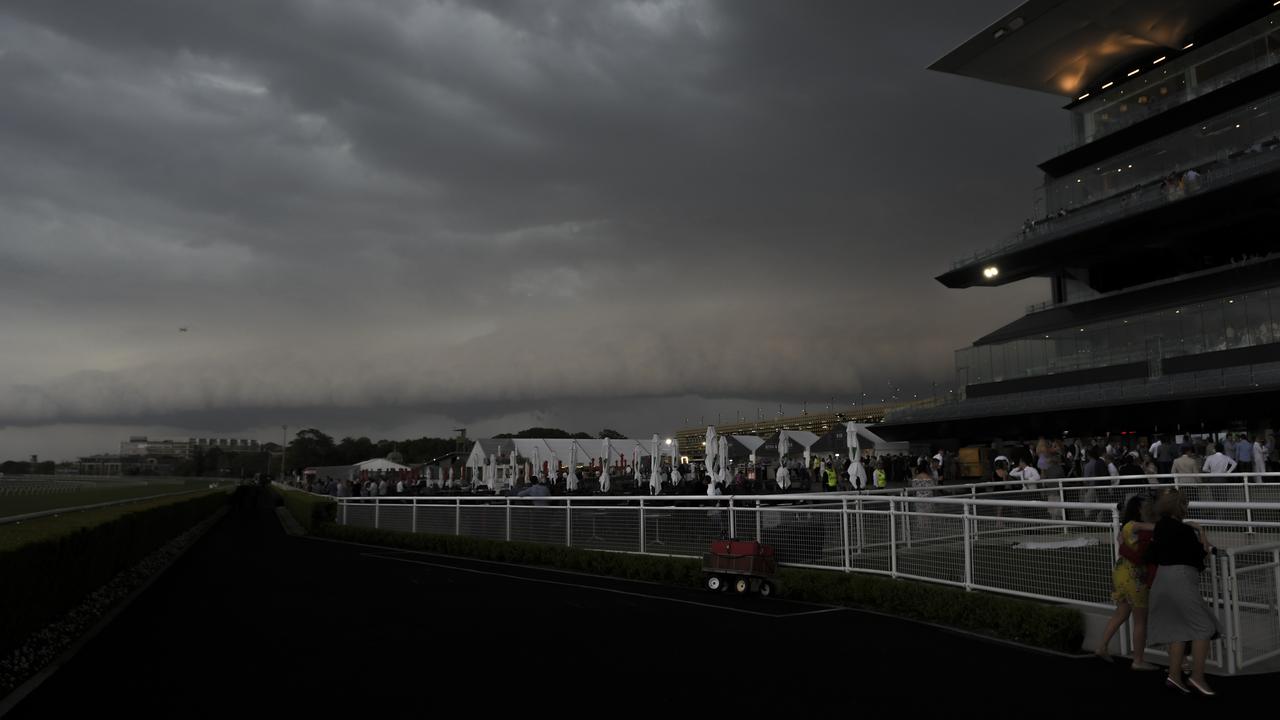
[1236,456]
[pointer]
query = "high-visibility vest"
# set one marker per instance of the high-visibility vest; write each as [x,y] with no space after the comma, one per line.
[881,480]
[831,477]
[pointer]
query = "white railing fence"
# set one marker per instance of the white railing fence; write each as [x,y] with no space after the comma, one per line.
[1054,542]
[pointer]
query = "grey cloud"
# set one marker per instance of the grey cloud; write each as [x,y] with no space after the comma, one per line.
[486,209]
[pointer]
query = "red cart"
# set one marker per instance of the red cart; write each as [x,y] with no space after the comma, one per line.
[746,565]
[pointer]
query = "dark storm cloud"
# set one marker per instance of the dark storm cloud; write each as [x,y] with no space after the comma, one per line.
[446,206]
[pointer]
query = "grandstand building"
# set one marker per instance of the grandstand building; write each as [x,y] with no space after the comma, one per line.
[1155,226]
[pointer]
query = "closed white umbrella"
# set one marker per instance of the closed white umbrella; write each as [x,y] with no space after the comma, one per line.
[537,466]
[449,483]
[635,464]
[572,481]
[511,482]
[784,475]
[710,453]
[675,464]
[655,480]
[553,467]
[493,472]
[605,460]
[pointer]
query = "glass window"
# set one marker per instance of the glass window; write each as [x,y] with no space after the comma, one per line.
[1235,322]
[1191,332]
[1258,305]
[1230,60]
[1214,332]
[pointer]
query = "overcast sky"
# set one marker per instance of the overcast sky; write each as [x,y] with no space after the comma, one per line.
[396,218]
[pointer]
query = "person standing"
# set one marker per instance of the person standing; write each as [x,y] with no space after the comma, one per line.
[1132,578]
[1260,453]
[1219,466]
[1185,467]
[1244,456]
[1178,614]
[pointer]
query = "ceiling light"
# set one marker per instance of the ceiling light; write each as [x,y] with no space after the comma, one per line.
[1188,46]
[1104,87]
[1134,72]
[1083,96]
[1161,59]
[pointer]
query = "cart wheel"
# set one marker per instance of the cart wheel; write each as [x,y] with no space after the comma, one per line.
[766,588]
[714,582]
[741,586]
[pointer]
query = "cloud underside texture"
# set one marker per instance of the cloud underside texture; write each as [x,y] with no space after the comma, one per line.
[489,207]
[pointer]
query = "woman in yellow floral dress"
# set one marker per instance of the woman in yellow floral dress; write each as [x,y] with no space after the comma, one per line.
[1132,579]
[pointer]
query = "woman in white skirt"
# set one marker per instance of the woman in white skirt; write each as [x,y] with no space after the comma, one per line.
[1178,614]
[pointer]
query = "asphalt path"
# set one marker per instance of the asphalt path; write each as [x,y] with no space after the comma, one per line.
[253,621]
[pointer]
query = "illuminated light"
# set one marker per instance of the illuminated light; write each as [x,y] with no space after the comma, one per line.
[1079,180]
[1134,72]
[1177,312]
[990,272]
[668,441]
[1130,167]
[1232,302]
[1188,46]
[1083,96]
[1237,126]
[1104,87]
[1081,329]
[1159,60]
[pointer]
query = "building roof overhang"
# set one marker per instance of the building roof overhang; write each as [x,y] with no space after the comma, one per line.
[1063,46]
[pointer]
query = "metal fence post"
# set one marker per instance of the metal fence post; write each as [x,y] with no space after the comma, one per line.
[1062,498]
[844,531]
[508,518]
[733,528]
[414,520]
[375,512]
[344,512]
[893,540]
[643,544]
[968,549]
[568,522]
[906,519]
[1248,512]
[862,536]
[457,516]
[759,524]
[1231,650]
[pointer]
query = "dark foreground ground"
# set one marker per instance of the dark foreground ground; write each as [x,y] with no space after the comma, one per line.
[252,622]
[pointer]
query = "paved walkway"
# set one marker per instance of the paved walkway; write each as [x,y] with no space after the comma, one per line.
[252,621]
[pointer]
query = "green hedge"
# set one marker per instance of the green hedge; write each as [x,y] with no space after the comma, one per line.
[309,510]
[1047,626]
[62,559]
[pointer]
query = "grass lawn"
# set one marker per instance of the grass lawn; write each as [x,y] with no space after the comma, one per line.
[51,499]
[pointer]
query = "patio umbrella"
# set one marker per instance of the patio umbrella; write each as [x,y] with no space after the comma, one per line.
[675,464]
[537,466]
[655,480]
[553,467]
[635,464]
[449,481]
[511,482]
[784,475]
[604,466]
[710,453]
[493,472]
[572,481]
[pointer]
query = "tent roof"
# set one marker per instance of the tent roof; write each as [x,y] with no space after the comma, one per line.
[379,464]
[588,449]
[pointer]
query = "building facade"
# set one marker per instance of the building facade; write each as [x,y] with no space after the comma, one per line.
[1155,226]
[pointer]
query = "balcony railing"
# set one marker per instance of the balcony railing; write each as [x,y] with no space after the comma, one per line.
[1224,172]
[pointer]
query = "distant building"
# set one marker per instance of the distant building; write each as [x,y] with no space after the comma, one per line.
[142,446]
